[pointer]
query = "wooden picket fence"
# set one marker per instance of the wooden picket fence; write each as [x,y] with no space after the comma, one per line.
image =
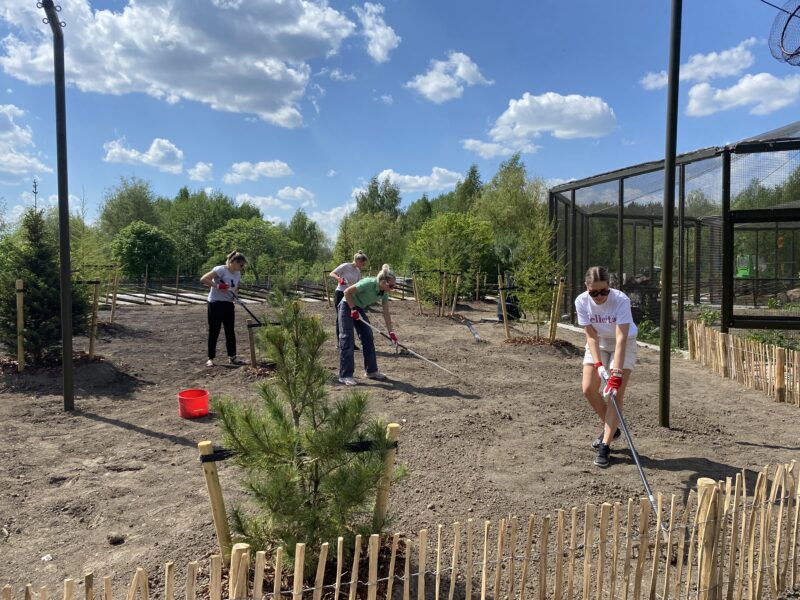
[724,543]
[765,367]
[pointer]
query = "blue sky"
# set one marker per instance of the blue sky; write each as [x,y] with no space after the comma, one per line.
[290,103]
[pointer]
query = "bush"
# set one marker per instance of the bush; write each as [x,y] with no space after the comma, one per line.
[141,248]
[306,485]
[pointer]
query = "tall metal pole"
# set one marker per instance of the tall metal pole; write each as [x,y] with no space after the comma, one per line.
[669,211]
[63,203]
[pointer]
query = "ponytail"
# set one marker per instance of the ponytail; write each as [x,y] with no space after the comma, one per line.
[235,256]
[386,273]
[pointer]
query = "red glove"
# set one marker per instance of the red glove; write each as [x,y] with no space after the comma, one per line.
[342,281]
[614,382]
[393,337]
[355,314]
[222,286]
[601,370]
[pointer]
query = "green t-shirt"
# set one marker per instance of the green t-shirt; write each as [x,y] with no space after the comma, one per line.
[368,292]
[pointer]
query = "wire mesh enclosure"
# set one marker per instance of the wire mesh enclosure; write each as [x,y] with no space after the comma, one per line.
[736,234]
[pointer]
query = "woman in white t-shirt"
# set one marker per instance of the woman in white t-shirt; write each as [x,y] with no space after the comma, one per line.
[224,283]
[346,274]
[605,315]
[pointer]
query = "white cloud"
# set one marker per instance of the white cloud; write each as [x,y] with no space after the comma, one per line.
[338,75]
[247,171]
[300,195]
[331,173]
[162,154]
[201,171]
[445,79]
[765,93]
[329,220]
[387,99]
[15,143]
[275,220]
[703,67]
[439,179]
[262,201]
[254,56]
[489,150]
[381,39]
[74,200]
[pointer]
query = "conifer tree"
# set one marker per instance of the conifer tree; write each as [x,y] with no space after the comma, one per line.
[33,257]
[293,445]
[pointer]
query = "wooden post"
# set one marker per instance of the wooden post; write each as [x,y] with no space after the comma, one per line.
[780,374]
[217,503]
[372,573]
[177,282]
[417,289]
[299,562]
[93,325]
[556,313]
[707,536]
[146,267]
[240,565]
[444,289]
[251,336]
[455,294]
[477,286]
[20,327]
[502,294]
[724,368]
[327,293]
[382,500]
[114,294]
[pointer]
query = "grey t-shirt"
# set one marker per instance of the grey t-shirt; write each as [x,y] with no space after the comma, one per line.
[350,273]
[224,275]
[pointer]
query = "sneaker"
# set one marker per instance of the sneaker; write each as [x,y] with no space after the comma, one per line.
[210,362]
[599,439]
[235,360]
[347,381]
[602,459]
[375,375]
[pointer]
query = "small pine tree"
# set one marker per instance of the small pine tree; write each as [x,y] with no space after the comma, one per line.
[293,447]
[34,258]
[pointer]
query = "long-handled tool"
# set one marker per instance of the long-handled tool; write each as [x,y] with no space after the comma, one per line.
[244,306]
[407,349]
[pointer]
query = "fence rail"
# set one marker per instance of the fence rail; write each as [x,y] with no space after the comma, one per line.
[765,367]
[725,543]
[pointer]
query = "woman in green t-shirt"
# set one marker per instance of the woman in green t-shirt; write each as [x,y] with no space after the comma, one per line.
[351,321]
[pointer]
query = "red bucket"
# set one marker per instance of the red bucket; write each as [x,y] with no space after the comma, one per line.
[192,403]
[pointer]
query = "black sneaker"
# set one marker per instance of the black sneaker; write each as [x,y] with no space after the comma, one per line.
[599,439]
[601,459]
[235,361]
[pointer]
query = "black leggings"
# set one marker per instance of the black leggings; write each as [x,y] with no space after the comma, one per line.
[220,314]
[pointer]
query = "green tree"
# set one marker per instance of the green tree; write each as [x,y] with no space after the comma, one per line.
[308,236]
[379,197]
[133,200]
[32,257]
[379,235]
[461,199]
[141,248]
[305,484]
[417,213]
[266,246]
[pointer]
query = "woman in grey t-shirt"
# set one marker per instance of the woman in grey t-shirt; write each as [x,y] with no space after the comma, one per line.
[346,274]
[224,283]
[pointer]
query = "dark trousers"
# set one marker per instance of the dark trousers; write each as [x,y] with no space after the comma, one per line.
[337,298]
[348,328]
[220,314]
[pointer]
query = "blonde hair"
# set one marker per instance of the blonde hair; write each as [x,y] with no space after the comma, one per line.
[360,256]
[235,256]
[595,274]
[386,273]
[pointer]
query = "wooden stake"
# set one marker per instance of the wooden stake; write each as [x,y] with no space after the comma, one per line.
[93,325]
[455,294]
[372,571]
[146,266]
[780,374]
[299,567]
[614,552]
[438,561]
[69,587]
[169,581]
[498,569]
[407,571]
[217,503]
[88,586]
[278,578]
[485,566]
[240,564]
[252,339]
[390,574]
[319,580]
[468,559]
[339,561]
[605,513]
[668,554]
[6,593]
[644,540]
[573,542]
[543,557]
[626,566]
[191,580]
[114,295]
[260,567]
[512,546]
[417,290]
[502,294]
[708,497]
[327,293]
[656,550]
[107,590]
[382,499]
[453,563]
[215,577]
[354,570]
[527,559]
[423,554]
[20,327]
[556,315]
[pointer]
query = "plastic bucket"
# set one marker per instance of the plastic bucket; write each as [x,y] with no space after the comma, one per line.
[192,403]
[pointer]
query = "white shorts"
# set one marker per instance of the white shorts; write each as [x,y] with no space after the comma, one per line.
[607,353]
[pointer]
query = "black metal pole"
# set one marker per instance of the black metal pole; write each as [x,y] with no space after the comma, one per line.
[621,229]
[698,239]
[63,205]
[669,212]
[573,251]
[727,244]
[681,250]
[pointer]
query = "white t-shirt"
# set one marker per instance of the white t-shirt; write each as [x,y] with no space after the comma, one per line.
[606,316]
[224,275]
[350,273]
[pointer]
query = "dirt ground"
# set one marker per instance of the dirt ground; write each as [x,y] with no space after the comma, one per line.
[117,484]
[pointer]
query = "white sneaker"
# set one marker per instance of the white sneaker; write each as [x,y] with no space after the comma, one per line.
[375,375]
[210,362]
[347,381]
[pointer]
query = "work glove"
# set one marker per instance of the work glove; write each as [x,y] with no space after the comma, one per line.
[223,286]
[601,370]
[355,314]
[614,382]
[342,281]
[393,337]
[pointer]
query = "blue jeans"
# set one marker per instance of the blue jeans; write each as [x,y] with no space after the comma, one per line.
[347,331]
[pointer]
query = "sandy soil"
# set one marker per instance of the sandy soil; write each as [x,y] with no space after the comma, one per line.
[511,435]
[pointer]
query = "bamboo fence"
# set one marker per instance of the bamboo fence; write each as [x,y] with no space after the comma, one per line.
[723,543]
[765,367]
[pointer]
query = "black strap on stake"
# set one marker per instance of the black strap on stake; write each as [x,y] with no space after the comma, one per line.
[221,453]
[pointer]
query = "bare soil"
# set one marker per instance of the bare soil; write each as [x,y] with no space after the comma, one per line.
[117,484]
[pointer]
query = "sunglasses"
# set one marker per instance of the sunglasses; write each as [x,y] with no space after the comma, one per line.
[596,293]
